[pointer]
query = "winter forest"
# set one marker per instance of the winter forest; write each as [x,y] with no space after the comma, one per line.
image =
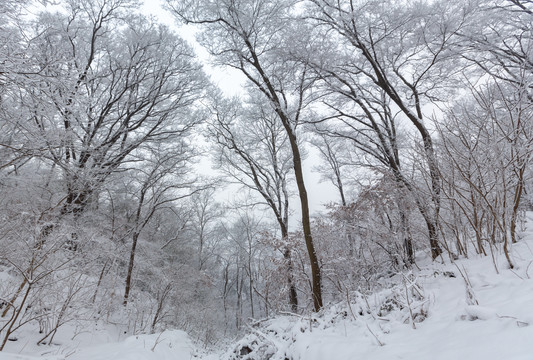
[137,196]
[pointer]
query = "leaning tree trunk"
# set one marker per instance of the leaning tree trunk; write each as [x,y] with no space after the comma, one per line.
[306,222]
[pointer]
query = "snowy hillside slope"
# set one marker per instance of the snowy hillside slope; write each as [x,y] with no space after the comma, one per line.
[455,326]
[473,308]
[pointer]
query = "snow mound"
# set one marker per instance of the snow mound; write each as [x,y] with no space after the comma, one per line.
[476,312]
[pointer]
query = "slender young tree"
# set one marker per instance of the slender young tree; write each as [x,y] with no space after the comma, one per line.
[160,181]
[331,152]
[205,224]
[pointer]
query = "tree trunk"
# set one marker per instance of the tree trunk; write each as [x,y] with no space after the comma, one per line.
[306,222]
[433,239]
[16,315]
[130,268]
[407,241]
[293,295]
[519,190]
[100,278]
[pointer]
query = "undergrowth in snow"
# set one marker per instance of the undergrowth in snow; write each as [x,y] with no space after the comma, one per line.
[473,308]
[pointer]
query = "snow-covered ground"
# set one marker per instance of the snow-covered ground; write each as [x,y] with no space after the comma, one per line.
[474,308]
[167,345]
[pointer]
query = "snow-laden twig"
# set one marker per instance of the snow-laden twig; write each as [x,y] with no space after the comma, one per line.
[377,339]
[470,295]
[157,341]
[527,269]
[409,306]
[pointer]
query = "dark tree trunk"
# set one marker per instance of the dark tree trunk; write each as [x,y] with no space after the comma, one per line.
[130,269]
[433,239]
[306,222]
